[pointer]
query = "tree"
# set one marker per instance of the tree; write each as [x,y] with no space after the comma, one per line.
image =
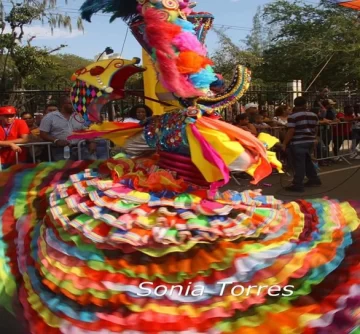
[58,74]
[312,41]
[19,61]
[228,54]
[255,41]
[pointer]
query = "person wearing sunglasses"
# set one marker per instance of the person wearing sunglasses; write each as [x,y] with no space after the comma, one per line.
[12,132]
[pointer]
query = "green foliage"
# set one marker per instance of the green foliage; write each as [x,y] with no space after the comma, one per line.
[256,40]
[229,54]
[58,73]
[6,41]
[24,14]
[299,41]
[306,37]
[30,60]
[21,64]
[135,82]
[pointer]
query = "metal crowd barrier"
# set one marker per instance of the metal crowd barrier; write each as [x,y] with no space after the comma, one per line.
[334,141]
[49,144]
[32,145]
[340,138]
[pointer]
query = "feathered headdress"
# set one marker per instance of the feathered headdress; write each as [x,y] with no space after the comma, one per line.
[124,9]
[173,35]
[178,54]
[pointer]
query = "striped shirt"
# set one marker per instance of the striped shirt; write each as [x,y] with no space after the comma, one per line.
[305,124]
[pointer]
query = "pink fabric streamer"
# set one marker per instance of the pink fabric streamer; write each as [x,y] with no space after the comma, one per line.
[213,157]
[186,41]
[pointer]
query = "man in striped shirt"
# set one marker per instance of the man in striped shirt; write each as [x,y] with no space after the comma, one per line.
[299,142]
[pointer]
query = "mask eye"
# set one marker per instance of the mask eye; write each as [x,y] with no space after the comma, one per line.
[97,70]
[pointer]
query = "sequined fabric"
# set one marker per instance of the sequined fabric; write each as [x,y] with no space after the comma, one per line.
[167,132]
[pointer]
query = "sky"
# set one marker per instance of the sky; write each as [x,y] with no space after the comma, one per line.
[236,15]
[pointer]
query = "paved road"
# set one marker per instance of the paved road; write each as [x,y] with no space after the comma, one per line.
[342,185]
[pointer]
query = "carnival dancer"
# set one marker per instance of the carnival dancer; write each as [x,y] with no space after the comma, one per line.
[152,245]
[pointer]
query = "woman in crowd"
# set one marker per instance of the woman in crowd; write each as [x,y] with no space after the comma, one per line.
[280,120]
[138,113]
[265,114]
[281,115]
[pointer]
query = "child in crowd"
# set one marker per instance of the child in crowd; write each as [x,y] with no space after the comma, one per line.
[260,123]
[242,121]
[265,115]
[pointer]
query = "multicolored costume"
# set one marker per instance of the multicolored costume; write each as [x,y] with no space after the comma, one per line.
[150,245]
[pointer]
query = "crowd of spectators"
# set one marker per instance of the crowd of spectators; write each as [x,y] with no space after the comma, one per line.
[54,127]
[256,121]
[307,134]
[334,127]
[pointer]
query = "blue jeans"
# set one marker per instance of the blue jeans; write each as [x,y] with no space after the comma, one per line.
[300,155]
[102,150]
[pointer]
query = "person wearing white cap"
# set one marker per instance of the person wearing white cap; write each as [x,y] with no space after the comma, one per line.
[251,109]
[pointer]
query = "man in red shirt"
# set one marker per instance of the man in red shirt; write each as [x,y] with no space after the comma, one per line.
[12,132]
[342,131]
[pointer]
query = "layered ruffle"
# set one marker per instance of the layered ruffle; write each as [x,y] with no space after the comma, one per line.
[108,256]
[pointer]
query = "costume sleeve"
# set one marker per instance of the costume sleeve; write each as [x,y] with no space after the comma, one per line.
[23,129]
[46,124]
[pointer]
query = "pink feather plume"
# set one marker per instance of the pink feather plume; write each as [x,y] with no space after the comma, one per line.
[160,35]
[186,41]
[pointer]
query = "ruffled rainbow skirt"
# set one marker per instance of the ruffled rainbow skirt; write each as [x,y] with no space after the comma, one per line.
[110,248]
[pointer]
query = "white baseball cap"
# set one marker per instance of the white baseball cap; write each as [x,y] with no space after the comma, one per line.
[251,105]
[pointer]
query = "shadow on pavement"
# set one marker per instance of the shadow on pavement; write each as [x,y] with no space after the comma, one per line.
[343,185]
